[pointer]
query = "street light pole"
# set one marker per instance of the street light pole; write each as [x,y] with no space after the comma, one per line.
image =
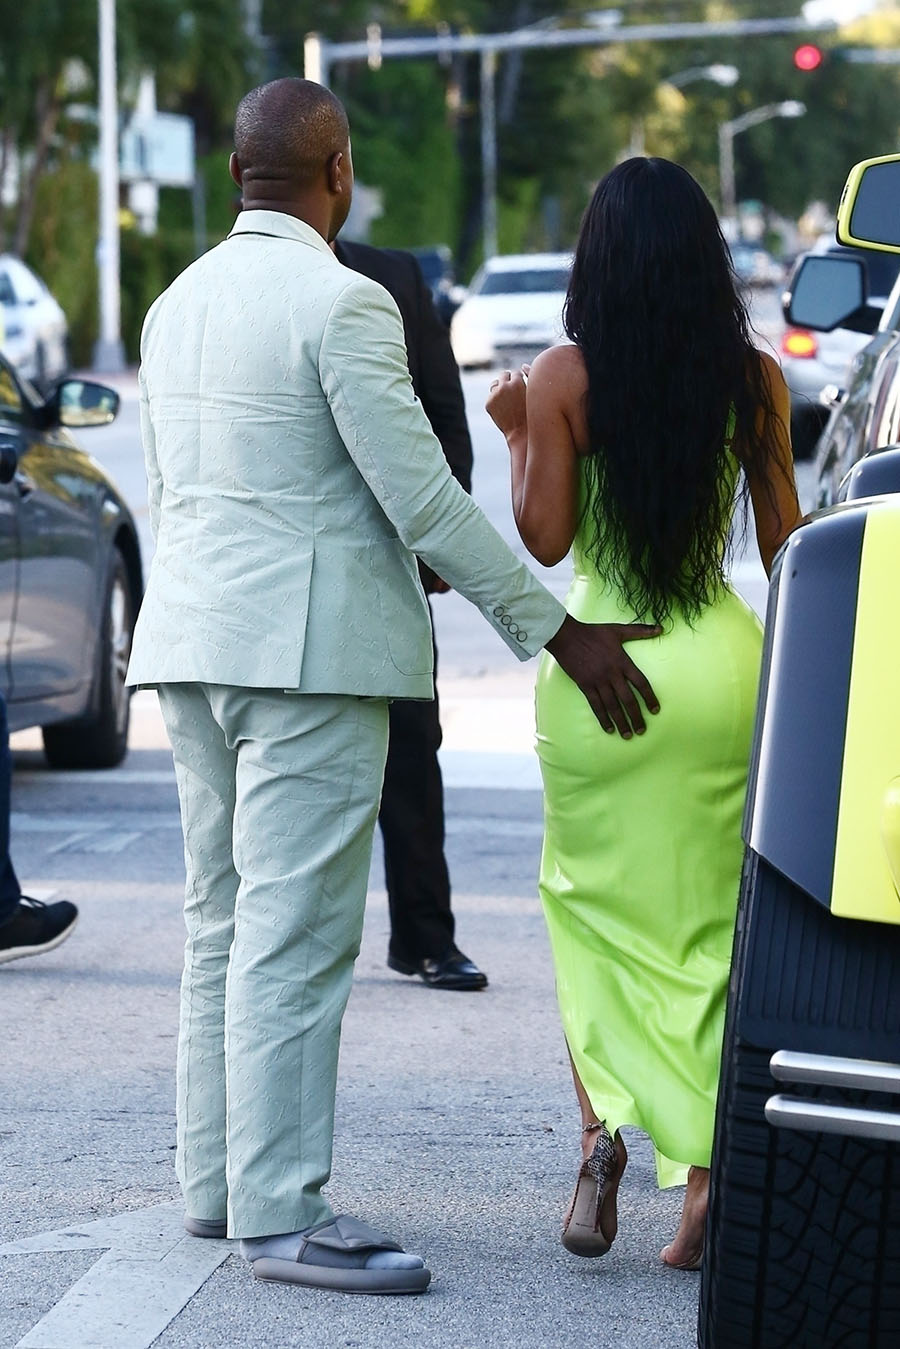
[727,132]
[109,354]
[488,153]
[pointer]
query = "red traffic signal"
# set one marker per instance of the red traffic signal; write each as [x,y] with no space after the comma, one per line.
[808,57]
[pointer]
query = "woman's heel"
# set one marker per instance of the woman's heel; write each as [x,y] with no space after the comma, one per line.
[592,1221]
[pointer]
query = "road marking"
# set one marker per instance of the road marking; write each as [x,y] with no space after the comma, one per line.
[150,1271]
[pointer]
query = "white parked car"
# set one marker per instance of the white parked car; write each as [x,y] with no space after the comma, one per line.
[512,311]
[33,328]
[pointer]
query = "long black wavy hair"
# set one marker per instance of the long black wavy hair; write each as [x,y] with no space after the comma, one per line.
[674,382]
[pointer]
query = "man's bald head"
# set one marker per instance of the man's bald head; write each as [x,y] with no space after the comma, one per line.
[292,153]
[287,131]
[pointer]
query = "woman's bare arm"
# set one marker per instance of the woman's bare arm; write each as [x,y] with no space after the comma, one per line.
[776,509]
[542,448]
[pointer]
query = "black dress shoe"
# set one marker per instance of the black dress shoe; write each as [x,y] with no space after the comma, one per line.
[452,971]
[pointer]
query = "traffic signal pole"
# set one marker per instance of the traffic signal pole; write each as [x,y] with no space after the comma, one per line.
[319,55]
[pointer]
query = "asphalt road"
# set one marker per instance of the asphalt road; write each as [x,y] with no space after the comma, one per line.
[456,1125]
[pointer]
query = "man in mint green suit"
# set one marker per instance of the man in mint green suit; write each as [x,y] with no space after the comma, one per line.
[293,479]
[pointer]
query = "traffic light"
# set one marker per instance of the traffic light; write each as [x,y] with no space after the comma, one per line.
[808,56]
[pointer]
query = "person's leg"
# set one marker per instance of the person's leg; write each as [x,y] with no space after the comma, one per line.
[205,770]
[686,1250]
[309,774]
[28,927]
[411,817]
[591,1223]
[10,892]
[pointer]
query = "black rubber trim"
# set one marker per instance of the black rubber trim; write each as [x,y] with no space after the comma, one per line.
[806,980]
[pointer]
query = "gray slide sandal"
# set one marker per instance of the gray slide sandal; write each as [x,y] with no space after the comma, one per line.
[334,1254]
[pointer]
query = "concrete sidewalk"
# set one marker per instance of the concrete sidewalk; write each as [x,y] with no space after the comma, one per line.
[456,1124]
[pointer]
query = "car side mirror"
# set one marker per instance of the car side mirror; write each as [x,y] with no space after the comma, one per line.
[869,213]
[830,292]
[81,402]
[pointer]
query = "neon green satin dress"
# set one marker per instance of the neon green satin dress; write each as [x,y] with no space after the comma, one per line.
[641,867]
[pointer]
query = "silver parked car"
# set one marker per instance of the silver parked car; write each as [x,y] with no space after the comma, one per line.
[33,329]
[815,363]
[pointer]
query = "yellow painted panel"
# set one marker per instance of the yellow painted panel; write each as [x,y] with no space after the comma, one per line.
[863,886]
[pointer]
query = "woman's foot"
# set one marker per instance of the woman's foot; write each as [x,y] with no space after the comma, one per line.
[686,1251]
[592,1221]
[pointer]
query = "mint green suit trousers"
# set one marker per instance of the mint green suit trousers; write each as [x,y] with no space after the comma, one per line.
[279,794]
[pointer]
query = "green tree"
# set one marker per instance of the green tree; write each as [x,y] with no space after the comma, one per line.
[48,48]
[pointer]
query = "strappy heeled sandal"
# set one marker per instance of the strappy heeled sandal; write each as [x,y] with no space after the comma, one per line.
[592,1221]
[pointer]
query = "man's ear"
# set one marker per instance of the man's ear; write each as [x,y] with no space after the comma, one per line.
[335,173]
[234,169]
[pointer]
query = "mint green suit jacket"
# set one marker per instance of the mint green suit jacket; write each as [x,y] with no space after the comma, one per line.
[293,478]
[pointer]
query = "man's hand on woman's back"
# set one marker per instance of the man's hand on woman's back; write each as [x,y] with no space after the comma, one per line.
[593,655]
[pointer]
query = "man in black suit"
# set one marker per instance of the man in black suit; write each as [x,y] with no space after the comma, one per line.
[412,803]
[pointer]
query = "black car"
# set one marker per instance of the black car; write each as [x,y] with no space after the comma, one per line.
[70,575]
[436,265]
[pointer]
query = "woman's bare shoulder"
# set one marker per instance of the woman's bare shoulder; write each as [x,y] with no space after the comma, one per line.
[771,370]
[562,367]
[559,380]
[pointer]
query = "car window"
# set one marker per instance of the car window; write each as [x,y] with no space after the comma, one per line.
[538,281]
[7,294]
[10,398]
[882,269]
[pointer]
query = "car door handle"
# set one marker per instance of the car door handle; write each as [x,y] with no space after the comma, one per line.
[832,396]
[25,484]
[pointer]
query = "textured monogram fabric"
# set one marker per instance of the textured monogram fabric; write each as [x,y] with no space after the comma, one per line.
[278,796]
[292,476]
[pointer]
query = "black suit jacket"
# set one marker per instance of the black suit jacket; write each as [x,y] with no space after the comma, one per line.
[435,374]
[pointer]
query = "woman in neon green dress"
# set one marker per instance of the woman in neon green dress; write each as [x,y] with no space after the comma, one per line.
[632,446]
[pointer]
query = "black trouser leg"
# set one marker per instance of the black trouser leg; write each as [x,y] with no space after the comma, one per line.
[412,827]
[10,893]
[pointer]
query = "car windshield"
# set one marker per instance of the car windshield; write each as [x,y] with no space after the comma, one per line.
[536,281]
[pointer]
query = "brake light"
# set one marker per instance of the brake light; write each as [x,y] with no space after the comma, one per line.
[799,342]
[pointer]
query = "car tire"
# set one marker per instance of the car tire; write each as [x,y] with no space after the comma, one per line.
[100,740]
[803,1232]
